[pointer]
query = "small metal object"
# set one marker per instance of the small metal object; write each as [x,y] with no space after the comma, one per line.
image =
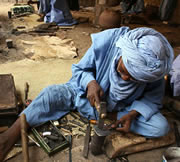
[20,145]
[46,134]
[123,159]
[79,117]
[76,123]
[54,138]
[102,114]
[86,141]
[82,130]
[70,148]
[73,115]
[9,14]
[56,123]
[9,43]
[84,120]
[33,141]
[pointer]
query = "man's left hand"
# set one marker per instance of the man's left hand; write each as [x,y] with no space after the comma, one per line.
[125,122]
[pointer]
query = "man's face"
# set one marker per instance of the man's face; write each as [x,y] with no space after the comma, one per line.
[121,69]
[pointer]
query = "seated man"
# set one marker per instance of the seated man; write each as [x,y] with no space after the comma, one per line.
[124,67]
[132,6]
[56,11]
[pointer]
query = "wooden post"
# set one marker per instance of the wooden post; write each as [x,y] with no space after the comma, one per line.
[24,138]
[99,8]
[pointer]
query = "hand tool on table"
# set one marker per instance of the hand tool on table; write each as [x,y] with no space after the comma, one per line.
[79,117]
[24,138]
[86,141]
[99,132]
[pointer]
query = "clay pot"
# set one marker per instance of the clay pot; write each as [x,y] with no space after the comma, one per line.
[110,19]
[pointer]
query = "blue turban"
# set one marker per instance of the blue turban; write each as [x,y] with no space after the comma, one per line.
[146,54]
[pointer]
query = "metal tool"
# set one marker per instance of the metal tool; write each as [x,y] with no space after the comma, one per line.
[100,133]
[34,141]
[76,123]
[26,90]
[86,141]
[70,148]
[24,138]
[79,117]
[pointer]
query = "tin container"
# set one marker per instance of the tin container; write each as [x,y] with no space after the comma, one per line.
[50,138]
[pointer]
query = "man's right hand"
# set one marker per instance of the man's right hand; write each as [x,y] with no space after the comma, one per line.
[94,93]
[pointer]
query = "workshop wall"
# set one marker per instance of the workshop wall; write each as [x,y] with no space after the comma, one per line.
[87,3]
[176,14]
[152,2]
[21,1]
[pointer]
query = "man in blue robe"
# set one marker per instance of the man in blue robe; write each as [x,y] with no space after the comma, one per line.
[124,67]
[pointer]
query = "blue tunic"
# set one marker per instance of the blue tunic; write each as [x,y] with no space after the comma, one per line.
[57,100]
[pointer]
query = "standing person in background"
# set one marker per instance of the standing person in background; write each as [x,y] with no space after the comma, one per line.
[44,8]
[132,6]
[56,11]
[73,5]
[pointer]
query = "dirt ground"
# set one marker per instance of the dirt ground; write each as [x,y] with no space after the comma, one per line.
[46,70]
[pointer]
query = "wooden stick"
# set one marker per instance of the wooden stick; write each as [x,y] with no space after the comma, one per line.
[24,138]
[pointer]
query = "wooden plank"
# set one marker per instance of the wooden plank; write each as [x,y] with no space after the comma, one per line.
[120,145]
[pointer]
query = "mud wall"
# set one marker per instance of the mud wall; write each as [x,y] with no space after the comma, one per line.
[92,2]
[14,1]
[176,14]
[152,2]
[87,3]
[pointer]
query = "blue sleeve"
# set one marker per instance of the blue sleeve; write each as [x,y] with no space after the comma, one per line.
[151,100]
[96,60]
[84,71]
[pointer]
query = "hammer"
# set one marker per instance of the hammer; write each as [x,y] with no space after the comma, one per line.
[24,138]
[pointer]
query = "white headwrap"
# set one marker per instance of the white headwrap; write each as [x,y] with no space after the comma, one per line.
[146,54]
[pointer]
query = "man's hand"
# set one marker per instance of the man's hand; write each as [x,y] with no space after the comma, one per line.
[125,122]
[94,93]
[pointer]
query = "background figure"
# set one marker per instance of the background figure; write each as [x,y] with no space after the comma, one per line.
[44,6]
[73,4]
[56,11]
[132,6]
